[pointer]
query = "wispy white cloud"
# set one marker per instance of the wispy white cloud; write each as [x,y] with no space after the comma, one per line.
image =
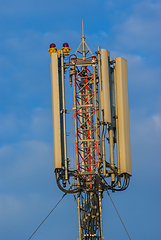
[36,124]
[25,213]
[41,124]
[26,146]
[145,141]
[140,29]
[157,123]
[23,160]
[28,191]
[9,124]
[9,206]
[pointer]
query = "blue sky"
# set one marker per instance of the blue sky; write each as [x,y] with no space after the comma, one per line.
[28,190]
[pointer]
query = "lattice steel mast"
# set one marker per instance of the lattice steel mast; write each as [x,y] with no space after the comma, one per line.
[100,105]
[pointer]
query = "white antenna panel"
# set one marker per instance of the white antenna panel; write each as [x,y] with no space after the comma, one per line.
[122,112]
[56,110]
[105,86]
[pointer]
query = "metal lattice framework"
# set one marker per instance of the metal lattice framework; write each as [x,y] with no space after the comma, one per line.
[90,215]
[86,127]
[87,142]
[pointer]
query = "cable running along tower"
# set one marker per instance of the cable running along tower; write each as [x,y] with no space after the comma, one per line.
[102,158]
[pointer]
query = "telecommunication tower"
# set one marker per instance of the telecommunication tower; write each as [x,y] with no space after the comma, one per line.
[102,158]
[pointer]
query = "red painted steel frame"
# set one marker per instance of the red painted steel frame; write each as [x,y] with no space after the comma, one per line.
[84,113]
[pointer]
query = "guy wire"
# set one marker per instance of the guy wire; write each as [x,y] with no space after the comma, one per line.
[118,215]
[46,217]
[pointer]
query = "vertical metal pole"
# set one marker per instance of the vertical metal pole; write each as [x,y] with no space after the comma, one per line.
[102,126]
[76,142]
[111,132]
[111,151]
[98,123]
[100,212]
[75,118]
[96,109]
[79,216]
[83,43]
[64,116]
[92,133]
[88,110]
[117,130]
[82,128]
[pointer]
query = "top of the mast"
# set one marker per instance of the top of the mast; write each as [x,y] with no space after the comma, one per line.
[83,51]
[82,29]
[83,43]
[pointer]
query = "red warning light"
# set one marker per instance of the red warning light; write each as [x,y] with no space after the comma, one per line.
[52,45]
[65,45]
